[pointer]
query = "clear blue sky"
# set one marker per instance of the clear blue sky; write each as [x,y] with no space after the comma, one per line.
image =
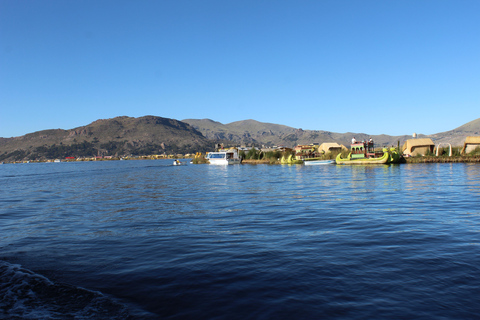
[392,67]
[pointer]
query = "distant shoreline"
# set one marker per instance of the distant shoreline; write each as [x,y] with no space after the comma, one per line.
[424,159]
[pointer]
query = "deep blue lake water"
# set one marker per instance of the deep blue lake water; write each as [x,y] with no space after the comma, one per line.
[146,239]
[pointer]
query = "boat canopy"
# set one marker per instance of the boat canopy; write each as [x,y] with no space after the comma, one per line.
[217,155]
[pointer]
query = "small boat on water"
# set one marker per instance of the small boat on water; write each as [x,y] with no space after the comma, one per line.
[224,157]
[315,162]
[364,153]
[178,163]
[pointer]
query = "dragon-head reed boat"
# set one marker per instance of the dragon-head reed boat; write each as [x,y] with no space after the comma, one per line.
[364,153]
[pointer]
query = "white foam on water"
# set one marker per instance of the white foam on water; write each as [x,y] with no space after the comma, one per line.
[27,295]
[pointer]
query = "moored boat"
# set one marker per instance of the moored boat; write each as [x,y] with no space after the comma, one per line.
[380,160]
[224,157]
[364,153]
[395,156]
[290,160]
[316,162]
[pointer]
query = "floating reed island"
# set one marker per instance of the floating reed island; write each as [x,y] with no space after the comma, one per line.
[451,159]
[364,152]
[419,159]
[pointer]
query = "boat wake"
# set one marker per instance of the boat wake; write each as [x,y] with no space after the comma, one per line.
[27,295]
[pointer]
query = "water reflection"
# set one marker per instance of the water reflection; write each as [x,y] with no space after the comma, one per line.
[471,172]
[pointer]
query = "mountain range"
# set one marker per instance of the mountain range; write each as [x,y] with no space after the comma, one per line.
[260,133]
[156,135]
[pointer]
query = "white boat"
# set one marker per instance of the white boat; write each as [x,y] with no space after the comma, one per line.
[224,157]
[318,162]
[178,163]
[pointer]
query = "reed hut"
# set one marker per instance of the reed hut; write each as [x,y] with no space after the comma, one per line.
[471,143]
[414,147]
[327,147]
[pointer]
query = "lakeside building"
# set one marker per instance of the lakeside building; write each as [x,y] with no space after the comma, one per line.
[471,143]
[275,148]
[315,150]
[414,147]
[245,149]
[327,147]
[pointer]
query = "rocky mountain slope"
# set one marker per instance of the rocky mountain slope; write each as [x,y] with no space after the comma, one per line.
[457,136]
[253,132]
[117,137]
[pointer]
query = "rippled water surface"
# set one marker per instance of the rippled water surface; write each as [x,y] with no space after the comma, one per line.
[146,239]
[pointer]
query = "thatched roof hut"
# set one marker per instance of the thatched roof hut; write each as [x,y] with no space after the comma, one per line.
[471,143]
[413,147]
[331,147]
